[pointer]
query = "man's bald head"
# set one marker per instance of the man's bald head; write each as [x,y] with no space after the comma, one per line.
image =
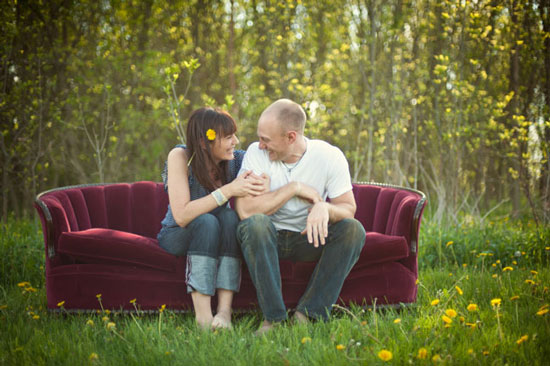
[289,115]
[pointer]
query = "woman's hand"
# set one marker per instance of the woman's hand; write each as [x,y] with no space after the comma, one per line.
[248,183]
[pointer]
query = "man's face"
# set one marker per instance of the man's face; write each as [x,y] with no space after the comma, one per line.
[272,138]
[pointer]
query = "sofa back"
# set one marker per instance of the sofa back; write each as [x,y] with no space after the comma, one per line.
[137,207]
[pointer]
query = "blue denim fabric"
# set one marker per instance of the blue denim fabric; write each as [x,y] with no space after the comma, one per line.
[213,255]
[263,246]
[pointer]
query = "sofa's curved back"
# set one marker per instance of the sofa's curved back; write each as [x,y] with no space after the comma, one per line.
[136,208]
[378,206]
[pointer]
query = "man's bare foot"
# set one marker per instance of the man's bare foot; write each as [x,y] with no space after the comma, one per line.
[265,328]
[222,320]
[300,318]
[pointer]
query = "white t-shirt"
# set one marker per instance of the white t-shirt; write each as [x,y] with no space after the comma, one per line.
[323,167]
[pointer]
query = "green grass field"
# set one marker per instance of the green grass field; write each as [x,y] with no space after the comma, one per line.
[483,298]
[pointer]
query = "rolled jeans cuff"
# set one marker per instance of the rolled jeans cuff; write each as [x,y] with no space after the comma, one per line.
[200,274]
[229,273]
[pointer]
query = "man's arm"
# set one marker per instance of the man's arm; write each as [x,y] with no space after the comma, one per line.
[322,213]
[269,203]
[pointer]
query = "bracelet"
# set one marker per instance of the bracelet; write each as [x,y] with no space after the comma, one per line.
[219,197]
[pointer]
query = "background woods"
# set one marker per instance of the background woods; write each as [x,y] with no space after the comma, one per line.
[451,97]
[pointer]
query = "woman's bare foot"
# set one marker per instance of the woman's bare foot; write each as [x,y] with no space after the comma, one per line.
[222,320]
[204,322]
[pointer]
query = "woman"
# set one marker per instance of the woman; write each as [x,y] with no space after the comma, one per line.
[200,178]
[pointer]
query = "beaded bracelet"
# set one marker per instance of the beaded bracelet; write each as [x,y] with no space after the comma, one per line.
[219,197]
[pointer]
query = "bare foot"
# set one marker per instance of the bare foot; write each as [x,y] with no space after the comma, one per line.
[204,322]
[265,328]
[300,318]
[222,320]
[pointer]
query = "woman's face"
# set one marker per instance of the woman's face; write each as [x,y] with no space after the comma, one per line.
[223,148]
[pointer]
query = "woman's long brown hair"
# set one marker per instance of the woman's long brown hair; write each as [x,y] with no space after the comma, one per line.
[199,147]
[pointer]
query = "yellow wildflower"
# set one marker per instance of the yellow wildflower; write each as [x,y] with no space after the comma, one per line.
[496,302]
[459,290]
[90,322]
[435,302]
[397,321]
[472,307]
[446,319]
[531,282]
[422,353]
[542,312]
[436,358]
[534,273]
[36,317]
[133,301]
[211,134]
[23,284]
[340,347]
[494,276]
[522,339]
[385,355]
[364,322]
[449,243]
[305,340]
[60,304]
[472,325]
[111,325]
[99,297]
[93,356]
[450,313]
[485,353]
[162,308]
[507,269]
[515,297]
[105,318]
[470,351]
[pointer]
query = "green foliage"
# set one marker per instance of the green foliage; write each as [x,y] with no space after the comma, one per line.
[448,97]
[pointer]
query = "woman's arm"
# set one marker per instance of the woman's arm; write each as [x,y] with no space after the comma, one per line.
[186,210]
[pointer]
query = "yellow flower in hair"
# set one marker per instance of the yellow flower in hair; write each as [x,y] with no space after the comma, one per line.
[211,134]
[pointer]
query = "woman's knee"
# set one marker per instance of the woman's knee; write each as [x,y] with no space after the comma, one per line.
[205,236]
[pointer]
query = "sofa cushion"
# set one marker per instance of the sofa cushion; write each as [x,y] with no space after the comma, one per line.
[107,246]
[380,248]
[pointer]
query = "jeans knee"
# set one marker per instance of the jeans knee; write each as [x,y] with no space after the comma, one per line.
[255,229]
[354,233]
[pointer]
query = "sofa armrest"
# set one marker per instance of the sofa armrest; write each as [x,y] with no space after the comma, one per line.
[54,222]
[406,221]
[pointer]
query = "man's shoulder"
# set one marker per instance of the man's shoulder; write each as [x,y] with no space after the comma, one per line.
[323,147]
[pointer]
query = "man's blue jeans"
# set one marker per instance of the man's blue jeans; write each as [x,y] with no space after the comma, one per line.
[262,246]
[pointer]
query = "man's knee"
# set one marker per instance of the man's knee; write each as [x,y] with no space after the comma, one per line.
[353,233]
[254,229]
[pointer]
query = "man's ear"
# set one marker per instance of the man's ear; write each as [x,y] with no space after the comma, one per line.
[291,135]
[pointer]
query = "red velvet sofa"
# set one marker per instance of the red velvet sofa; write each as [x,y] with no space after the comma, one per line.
[101,239]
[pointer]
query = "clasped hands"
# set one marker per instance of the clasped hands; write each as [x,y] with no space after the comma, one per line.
[251,184]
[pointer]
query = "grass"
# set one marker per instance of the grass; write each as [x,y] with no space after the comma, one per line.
[481,265]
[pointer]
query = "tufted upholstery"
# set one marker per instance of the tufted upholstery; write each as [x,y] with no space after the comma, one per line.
[101,239]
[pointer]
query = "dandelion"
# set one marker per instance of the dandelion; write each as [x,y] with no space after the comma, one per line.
[60,304]
[364,322]
[464,265]
[459,290]
[2,307]
[522,339]
[23,284]
[397,321]
[422,353]
[99,298]
[450,313]
[513,298]
[472,307]
[495,302]
[416,282]
[93,356]
[211,134]
[162,308]
[449,243]
[90,322]
[472,325]
[111,326]
[105,318]
[133,301]
[36,317]
[530,282]
[340,347]
[534,273]
[306,340]
[485,353]
[470,351]
[494,276]
[435,302]
[446,319]
[505,269]
[542,312]
[385,355]
[436,358]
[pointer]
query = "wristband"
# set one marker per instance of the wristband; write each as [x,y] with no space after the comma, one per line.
[219,197]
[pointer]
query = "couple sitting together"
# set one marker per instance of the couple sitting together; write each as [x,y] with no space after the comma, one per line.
[280,186]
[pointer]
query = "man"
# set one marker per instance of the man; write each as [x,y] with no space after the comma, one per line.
[293,221]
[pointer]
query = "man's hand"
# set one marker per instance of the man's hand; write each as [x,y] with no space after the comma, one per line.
[317,224]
